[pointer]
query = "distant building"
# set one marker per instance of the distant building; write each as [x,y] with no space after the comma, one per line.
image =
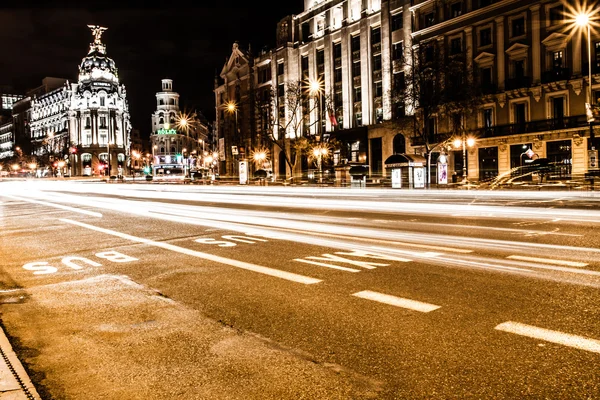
[7,138]
[178,139]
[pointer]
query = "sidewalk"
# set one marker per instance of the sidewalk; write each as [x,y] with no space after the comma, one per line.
[14,381]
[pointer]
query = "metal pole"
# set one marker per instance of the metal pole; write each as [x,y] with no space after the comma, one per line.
[591,145]
[464,150]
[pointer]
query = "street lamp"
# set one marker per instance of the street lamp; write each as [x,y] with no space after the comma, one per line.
[319,152]
[464,142]
[315,87]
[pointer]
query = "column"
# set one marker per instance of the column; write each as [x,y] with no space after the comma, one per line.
[535,44]
[346,79]
[501,64]
[365,71]
[386,61]
[469,45]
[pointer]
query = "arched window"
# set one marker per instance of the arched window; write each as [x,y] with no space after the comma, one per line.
[172,102]
[162,149]
[161,102]
[399,144]
[172,149]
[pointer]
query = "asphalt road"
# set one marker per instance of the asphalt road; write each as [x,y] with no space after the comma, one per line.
[141,291]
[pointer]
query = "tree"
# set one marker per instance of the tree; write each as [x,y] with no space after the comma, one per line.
[436,89]
[284,119]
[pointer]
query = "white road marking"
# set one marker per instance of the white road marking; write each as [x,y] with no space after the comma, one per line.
[396,301]
[44,203]
[566,339]
[549,261]
[234,263]
[327,265]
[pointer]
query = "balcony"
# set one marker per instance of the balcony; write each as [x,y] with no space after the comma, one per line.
[320,69]
[518,83]
[376,48]
[337,63]
[357,106]
[578,121]
[556,74]
[337,86]
[377,75]
[356,80]
[356,54]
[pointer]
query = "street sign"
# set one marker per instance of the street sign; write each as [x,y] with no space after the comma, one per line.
[530,153]
[234,150]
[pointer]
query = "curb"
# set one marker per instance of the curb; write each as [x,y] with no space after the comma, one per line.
[15,383]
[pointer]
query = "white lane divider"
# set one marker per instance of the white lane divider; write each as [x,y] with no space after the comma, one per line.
[396,301]
[549,261]
[234,263]
[566,339]
[327,265]
[44,203]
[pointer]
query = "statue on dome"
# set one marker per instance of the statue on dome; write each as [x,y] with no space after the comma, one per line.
[97,32]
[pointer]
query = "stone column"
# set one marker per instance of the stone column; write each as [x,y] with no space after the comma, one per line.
[536,60]
[501,64]
[365,71]
[386,62]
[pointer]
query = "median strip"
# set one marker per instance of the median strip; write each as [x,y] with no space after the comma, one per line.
[234,263]
[566,339]
[397,301]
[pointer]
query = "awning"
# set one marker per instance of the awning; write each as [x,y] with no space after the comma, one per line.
[405,160]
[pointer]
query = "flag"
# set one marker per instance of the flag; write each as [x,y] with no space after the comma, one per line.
[332,117]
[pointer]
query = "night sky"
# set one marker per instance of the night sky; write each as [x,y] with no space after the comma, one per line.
[186,42]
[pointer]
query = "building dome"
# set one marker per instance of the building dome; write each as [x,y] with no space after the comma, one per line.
[97,66]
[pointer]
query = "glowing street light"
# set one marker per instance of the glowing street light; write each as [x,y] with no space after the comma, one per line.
[315,88]
[319,152]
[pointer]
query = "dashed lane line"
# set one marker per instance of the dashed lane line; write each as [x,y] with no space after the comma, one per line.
[397,301]
[566,339]
[549,261]
[234,263]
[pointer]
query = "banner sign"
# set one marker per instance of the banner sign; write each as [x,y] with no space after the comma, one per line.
[243,172]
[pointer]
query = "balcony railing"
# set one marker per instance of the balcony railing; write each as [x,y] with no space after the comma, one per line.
[556,74]
[518,83]
[337,63]
[577,121]
[376,48]
[356,80]
[377,75]
[356,54]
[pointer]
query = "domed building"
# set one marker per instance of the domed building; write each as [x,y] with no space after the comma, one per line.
[99,126]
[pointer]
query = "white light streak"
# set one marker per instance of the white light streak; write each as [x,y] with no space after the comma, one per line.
[548,261]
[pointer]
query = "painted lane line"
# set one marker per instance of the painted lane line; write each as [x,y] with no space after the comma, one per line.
[227,261]
[566,339]
[327,265]
[549,261]
[43,203]
[397,301]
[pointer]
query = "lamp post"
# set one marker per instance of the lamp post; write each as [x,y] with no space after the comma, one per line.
[464,142]
[153,160]
[583,21]
[319,152]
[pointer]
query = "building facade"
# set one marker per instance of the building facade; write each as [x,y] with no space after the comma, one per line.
[527,67]
[178,139]
[84,125]
[7,139]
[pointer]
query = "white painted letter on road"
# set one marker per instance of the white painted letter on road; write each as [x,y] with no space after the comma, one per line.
[243,239]
[220,243]
[69,262]
[40,268]
[115,256]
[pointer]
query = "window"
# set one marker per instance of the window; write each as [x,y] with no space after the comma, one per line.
[280,90]
[558,108]
[455,46]
[519,113]
[337,75]
[161,102]
[556,15]
[102,139]
[304,66]
[519,69]
[88,122]
[357,95]
[305,32]
[320,24]
[356,69]
[557,59]
[379,115]
[375,35]
[486,79]
[429,20]
[399,82]
[102,101]
[488,117]
[376,62]
[429,52]
[355,43]
[102,122]
[398,51]
[320,57]
[518,27]
[485,37]
[280,68]
[358,123]
[378,89]
[456,9]
[397,22]
[337,50]
[485,3]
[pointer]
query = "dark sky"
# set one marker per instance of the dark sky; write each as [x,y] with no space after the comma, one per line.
[186,42]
